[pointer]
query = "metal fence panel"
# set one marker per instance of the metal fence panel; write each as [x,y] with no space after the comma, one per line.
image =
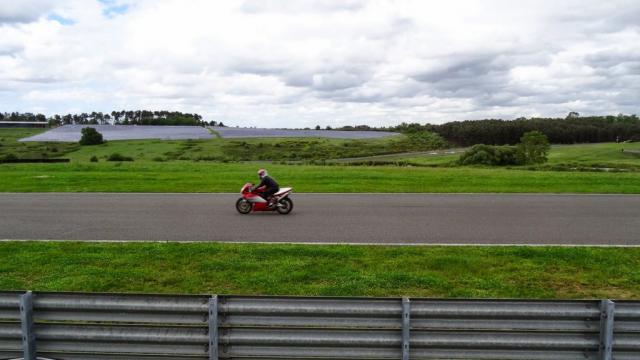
[10,306]
[167,309]
[123,327]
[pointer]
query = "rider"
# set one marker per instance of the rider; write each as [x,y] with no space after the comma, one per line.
[271,186]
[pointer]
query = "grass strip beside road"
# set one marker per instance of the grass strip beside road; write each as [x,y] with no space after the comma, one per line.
[179,176]
[330,270]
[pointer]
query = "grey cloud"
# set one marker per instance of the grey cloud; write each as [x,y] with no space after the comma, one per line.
[482,78]
[256,67]
[11,50]
[337,81]
[298,79]
[23,11]
[320,77]
[602,17]
[476,77]
[354,97]
[608,59]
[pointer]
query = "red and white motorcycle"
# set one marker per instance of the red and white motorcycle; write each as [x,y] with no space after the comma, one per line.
[251,200]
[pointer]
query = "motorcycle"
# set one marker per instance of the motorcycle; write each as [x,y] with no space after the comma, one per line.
[251,200]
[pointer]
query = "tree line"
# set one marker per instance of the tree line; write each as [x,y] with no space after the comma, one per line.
[122,117]
[29,117]
[570,130]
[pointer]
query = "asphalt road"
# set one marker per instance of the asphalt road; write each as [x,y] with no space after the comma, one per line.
[340,218]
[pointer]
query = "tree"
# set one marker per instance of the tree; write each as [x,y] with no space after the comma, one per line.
[533,148]
[317,127]
[91,136]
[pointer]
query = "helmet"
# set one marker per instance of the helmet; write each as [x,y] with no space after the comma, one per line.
[262,173]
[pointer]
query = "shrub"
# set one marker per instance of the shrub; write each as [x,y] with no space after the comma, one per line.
[94,159]
[118,157]
[490,155]
[91,136]
[8,158]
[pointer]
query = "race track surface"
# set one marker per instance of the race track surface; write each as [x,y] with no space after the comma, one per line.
[336,218]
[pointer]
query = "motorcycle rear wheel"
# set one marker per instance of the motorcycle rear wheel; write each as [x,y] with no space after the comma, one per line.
[285,206]
[243,206]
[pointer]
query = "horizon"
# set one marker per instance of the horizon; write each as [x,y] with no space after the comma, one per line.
[111,122]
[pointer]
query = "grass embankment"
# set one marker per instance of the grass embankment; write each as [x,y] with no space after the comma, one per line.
[332,270]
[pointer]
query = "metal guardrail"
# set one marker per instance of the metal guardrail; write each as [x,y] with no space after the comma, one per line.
[129,326]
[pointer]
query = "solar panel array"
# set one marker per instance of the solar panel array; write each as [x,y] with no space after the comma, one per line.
[230,132]
[139,132]
[124,132]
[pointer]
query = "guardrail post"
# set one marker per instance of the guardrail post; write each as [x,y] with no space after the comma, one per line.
[26,319]
[406,327]
[213,328]
[607,311]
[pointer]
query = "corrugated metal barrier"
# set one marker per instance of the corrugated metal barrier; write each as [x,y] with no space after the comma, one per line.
[130,326]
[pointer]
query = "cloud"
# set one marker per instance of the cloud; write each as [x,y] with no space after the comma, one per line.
[23,11]
[298,64]
[301,6]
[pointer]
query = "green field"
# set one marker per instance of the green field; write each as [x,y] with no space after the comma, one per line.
[582,157]
[206,167]
[332,270]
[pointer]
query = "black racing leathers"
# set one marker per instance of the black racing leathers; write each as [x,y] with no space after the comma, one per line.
[271,187]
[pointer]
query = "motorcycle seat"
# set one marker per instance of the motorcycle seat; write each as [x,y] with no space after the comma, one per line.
[283,190]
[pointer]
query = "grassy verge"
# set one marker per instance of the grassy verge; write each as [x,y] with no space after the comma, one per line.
[332,270]
[177,176]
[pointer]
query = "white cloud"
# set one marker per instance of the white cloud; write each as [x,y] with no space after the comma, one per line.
[281,63]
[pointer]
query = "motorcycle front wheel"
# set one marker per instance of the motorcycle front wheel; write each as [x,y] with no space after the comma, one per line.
[243,206]
[285,206]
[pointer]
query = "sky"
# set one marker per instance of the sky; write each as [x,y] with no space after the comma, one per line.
[283,63]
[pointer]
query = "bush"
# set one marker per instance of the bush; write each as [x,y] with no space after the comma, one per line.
[91,136]
[94,159]
[533,148]
[490,155]
[8,158]
[118,157]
